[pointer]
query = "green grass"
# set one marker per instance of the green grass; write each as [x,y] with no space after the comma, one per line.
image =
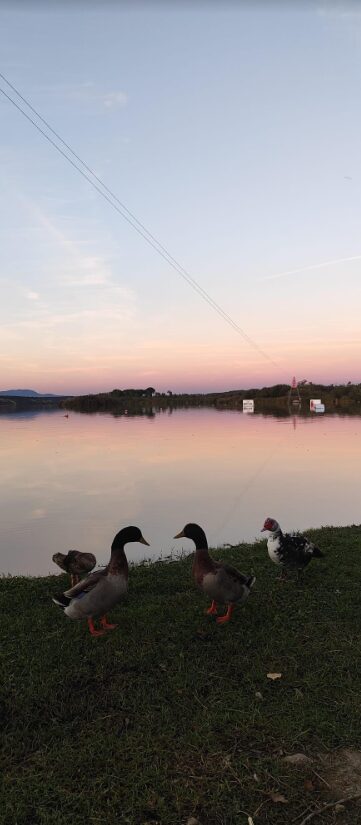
[159,720]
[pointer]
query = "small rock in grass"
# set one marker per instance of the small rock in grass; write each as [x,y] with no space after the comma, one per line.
[339,808]
[297,759]
[258,695]
[193,821]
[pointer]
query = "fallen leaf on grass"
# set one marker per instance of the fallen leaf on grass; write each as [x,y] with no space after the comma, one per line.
[250,821]
[309,786]
[297,759]
[193,821]
[278,797]
[274,676]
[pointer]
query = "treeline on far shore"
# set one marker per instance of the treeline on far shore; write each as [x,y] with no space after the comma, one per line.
[334,396]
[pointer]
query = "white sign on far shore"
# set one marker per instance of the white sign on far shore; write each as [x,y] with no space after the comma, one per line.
[248,405]
[316,405]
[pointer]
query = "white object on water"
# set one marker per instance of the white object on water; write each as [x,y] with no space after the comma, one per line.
[319,408]
[313,403]
[248,405]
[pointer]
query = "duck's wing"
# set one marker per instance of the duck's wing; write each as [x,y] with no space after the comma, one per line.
[232,572]
[86,584]
[60,560]
[298,548]
[232,585]
[232,581]
[88,560]
[79,562]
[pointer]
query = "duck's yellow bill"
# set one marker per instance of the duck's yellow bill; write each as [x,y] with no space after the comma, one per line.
[179,535]
[143,541]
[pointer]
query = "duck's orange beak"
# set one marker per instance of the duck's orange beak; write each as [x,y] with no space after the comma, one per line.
[179,535]
[143,541]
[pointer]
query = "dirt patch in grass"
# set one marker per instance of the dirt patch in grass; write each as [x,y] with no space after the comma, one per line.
[342,770]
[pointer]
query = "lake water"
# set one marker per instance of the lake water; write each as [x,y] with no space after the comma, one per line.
[74,482]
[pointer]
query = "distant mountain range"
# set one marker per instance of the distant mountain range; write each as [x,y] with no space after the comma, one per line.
[28,393]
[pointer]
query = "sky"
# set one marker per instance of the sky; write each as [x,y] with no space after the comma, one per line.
[232,132]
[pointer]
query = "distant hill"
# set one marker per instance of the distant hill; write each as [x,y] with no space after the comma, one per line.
[28,393]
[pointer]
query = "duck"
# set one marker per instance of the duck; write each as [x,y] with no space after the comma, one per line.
[100,591]
[75,563]
[290,552]
[221,582]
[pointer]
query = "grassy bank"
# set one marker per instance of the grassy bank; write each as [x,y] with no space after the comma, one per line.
[171,716]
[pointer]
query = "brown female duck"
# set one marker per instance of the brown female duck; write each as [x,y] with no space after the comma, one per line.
[99,592]
[221,582]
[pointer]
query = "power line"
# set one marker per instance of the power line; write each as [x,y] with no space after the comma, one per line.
[130,218]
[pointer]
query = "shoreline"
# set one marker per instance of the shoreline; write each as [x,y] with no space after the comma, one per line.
[315,533]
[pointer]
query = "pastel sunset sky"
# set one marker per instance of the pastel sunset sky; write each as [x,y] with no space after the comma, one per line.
[232,132]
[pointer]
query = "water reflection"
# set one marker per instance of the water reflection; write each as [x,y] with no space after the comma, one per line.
[73,482]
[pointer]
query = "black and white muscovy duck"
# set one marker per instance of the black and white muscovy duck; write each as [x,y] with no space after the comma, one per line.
[291,552]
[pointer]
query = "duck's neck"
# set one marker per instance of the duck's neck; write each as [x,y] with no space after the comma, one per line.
[276,534]
[118,560]
[202,556]
[200,540]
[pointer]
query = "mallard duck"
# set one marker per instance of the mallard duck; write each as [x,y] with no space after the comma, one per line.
[99,592]
[75,563]
[290,552]
[221,582]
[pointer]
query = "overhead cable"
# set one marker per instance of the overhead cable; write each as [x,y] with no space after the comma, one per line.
[114,201]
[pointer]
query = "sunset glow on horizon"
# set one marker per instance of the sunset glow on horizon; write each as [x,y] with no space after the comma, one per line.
[237,153]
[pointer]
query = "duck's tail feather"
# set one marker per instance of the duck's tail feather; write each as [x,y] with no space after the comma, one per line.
[61,600]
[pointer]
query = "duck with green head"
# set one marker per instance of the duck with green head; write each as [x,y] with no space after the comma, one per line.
[221,582]
[99,592]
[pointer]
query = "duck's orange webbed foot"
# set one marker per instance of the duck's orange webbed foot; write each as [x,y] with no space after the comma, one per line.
[93,630]
[212,609]
[227,616]
[106,625]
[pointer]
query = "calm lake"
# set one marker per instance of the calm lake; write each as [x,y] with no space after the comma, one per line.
[74,482]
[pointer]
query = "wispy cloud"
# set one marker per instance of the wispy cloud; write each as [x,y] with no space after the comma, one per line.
[90,270]
[87,93]
[310,267]
[114,100]
[348,10]
[82,307]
